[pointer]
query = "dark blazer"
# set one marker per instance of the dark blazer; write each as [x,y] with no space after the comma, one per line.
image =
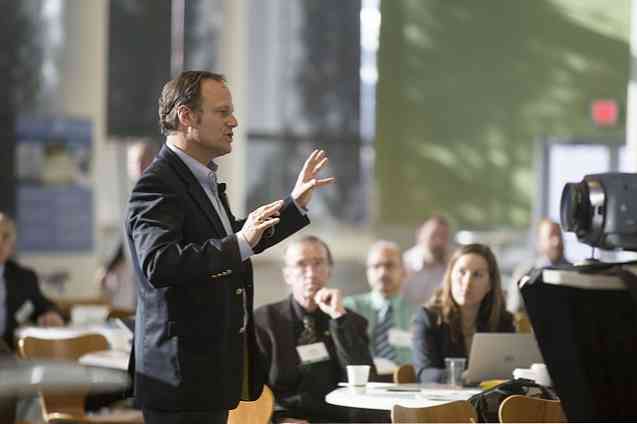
[433,342]
[22,290]
[188,351]
[300,389]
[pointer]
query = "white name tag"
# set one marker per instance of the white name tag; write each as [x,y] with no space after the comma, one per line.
[315,352]
[399,338]
[24,312]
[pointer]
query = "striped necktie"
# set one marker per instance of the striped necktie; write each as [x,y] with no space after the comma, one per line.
[385,322]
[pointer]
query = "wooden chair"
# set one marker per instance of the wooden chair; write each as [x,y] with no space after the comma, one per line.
[405,373]
[120,313]
[524,409]
[459,411]
[69,408]
[257,412]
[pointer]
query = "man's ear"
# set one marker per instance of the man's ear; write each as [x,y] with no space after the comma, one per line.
[286,277]
[186,116]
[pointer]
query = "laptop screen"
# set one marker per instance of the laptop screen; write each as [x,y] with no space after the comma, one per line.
[496,355]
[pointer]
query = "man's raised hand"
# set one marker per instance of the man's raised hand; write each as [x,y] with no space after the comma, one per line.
[307,180]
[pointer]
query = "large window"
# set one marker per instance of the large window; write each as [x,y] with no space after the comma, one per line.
[305,93]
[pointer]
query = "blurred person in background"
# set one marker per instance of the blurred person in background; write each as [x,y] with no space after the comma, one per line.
[387,311]
[549,249]
[21,300]
[426,262]
[116,277]
[471,301]
[312,316]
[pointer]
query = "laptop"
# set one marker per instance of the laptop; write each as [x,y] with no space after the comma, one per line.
[496,355]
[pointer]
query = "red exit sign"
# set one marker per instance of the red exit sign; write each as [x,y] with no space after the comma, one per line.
[605,113]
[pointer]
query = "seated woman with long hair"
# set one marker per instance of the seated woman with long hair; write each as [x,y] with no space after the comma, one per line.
[469,301]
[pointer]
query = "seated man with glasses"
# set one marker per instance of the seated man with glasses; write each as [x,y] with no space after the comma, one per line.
[309,338]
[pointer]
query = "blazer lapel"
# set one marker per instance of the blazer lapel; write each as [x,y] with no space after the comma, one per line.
[194,188]
[221,189]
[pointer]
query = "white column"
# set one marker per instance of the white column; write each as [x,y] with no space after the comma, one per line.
[234,64]
[631,107]
[83,91]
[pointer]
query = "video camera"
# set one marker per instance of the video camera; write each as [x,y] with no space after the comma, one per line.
[602,210]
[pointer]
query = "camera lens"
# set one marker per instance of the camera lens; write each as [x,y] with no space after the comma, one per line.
[575,207]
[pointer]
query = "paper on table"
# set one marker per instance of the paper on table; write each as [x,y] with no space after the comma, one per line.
[384,365]
[524,373]
[448,394]
[106,359]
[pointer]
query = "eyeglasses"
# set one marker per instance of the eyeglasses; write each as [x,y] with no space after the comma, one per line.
[314,264]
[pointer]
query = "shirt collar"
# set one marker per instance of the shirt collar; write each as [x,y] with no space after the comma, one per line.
[379,302]
[202,173]
[300,312]
[2,270]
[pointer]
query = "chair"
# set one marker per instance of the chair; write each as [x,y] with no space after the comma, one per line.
[524,409]
[459,411]
[256,412]
[120,313]
[69,408]
[405,373]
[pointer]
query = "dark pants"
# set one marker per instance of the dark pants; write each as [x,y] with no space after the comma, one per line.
[152,416]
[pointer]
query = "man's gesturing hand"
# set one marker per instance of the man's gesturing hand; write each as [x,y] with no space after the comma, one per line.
[330,301]
[307,181]
[260,220]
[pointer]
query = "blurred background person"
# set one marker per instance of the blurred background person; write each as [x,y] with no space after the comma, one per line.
[471,300]
[425,262]
[316,316]
[21,300]
[115,278]
[549,249]
[388,313]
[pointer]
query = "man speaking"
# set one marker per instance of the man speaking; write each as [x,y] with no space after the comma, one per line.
[194,354]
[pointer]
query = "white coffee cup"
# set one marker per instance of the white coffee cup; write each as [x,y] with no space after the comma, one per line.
[542,376]
[357,375]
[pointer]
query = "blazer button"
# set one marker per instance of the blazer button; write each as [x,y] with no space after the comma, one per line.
[239,291]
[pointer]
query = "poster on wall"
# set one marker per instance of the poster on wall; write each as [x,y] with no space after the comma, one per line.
[54,186]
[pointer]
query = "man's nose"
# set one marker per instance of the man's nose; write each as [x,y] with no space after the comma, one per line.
[233,122]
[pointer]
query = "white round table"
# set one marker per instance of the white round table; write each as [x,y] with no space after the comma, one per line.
[384,396]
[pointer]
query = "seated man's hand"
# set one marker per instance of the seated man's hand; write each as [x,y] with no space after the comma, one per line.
[330,301]
[50,319]
[293,421]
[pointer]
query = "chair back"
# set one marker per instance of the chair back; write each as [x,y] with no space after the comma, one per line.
[256,412]
[524,409]
[70,349]
[405,373]
[459,411]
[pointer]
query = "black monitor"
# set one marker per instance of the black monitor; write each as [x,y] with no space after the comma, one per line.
[588,338]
